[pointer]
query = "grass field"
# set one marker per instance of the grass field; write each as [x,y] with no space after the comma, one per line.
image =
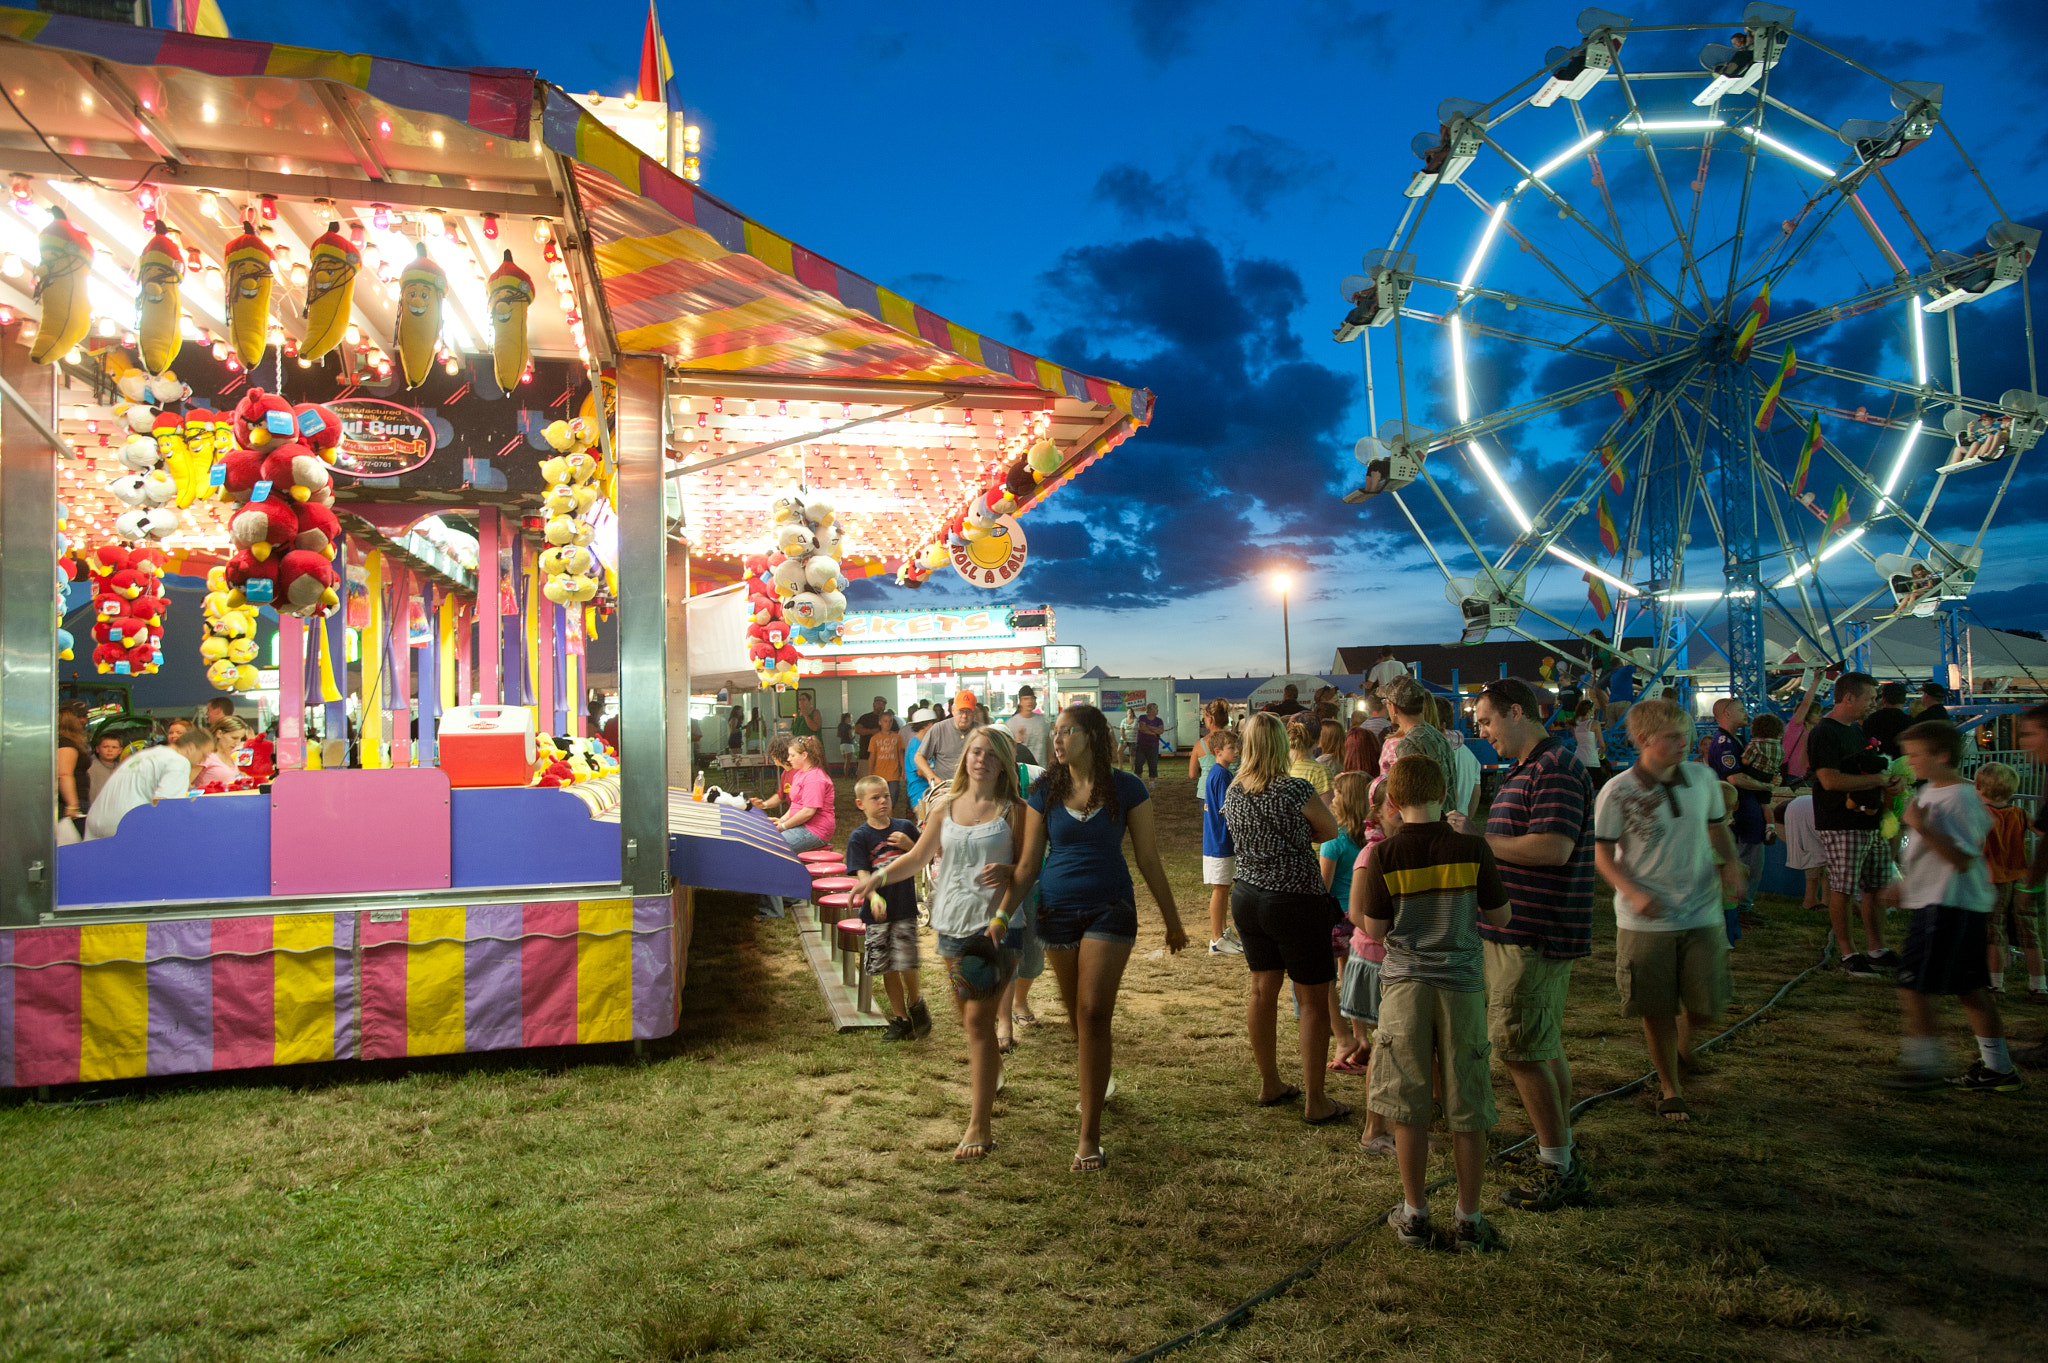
[761,1188]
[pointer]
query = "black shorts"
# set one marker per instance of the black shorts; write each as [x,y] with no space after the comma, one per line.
[1282,931]
[1945,952]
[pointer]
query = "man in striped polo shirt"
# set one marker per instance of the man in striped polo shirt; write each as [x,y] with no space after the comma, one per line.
[1541,831]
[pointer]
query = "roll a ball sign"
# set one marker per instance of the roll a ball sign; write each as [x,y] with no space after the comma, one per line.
[994,559]
[381,439]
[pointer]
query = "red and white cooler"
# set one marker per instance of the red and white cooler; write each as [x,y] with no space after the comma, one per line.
[486,745]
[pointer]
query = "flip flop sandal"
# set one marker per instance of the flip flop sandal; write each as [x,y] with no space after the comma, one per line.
[1027,1019]
[1348,1065]
[1107,1094]
[1379,1145]
[968,1151]
[1090,1164]
[1005,1047]
[1674,1110]
[1334,1115]
[1282,1098]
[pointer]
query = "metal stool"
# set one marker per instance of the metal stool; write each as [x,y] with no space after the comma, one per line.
[831,908]
[853,962]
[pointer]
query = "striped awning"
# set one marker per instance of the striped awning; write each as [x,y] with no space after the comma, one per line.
[685,274]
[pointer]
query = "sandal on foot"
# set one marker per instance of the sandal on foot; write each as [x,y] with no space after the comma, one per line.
[1350,1064]
[1381,1144]
[973,1150]
[1674,1110]
[1026,1019]
[1090,1164]
[1282,1098]
[1333,1116]
[1005,1047]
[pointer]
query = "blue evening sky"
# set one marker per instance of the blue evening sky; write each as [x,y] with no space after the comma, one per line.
[1167,192]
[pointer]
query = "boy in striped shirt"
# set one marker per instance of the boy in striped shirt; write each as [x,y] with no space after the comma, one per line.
[1425,890]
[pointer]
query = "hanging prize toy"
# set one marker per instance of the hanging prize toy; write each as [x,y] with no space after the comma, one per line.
[251,271]
[158,322]
[569,570]
[508,293]
[420,291]
[332,263]
[60,288]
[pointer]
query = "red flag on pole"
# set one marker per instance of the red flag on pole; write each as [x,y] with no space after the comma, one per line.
[656,70]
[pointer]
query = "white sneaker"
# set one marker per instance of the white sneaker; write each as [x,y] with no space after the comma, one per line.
[1227,944]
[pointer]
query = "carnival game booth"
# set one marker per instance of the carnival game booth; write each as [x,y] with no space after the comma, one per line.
[411,359]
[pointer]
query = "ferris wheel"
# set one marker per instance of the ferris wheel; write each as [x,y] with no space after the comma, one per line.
[1666,319]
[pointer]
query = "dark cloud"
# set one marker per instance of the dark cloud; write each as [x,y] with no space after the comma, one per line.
[1141,196]
[1016,325]
[884,47]
[1241,466]
[1258,168]
[1164,30]
[2014,608]
[922,285]
[1332,23]
[438,35]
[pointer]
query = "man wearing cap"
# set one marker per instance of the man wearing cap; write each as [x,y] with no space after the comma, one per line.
[944,743]
[1031,730]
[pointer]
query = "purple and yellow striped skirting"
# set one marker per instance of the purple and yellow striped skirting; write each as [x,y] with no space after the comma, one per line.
[121,1000]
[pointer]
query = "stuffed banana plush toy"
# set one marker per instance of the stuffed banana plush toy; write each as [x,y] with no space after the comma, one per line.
[330,289]
[251,272]
[509,294]
[420,291]
[157,319]
[60,288]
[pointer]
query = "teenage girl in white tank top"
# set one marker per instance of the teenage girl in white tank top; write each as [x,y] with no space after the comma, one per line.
[977,823]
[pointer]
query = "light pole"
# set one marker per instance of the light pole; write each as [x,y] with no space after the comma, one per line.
[1283,582]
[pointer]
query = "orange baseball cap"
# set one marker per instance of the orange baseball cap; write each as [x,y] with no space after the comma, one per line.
[965,697]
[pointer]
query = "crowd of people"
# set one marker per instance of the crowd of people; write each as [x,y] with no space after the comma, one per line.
[1421,933]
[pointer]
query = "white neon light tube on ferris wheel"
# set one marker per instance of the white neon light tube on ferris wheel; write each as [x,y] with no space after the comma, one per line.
[1791,153]
[1671,125]
[1919,342]
[1567,154]
[1458,370]
[1899,465]
[1837,547]
[1609,578]
[1500,211]
[1500,486]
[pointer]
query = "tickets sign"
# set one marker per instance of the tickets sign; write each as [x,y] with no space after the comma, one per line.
[381,439]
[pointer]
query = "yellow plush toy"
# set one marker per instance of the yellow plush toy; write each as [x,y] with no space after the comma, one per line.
[421,290]
[60,289]
[508,293]
[251,272]
[157,319]
[331,268]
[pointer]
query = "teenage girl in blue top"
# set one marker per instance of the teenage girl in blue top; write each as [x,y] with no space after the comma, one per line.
[1075,822]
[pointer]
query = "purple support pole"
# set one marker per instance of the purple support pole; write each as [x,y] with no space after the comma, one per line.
[488,623]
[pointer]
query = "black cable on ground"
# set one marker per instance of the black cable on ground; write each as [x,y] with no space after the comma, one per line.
[1244,1308]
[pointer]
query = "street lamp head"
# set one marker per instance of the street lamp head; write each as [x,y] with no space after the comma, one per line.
[1282,581]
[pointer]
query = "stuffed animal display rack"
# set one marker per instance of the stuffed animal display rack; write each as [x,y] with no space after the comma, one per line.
[807,581]
[228,648]
[568,568]
[286,531]
[128,609]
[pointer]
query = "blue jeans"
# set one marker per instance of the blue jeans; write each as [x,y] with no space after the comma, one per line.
[800,839]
